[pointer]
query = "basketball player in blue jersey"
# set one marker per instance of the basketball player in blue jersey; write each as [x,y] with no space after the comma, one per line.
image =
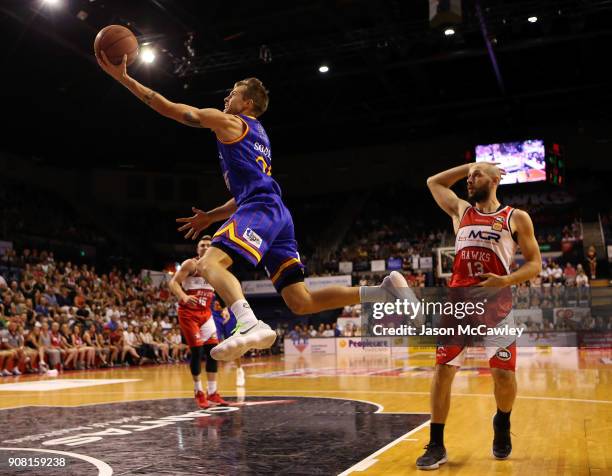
[258,228]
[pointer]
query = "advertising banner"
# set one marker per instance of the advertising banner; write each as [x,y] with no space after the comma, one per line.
[394,263]
[363,346]
[345,266]
[377,265]
[314,346]
[524,315]
[595,340]
[426,262]
[574,314]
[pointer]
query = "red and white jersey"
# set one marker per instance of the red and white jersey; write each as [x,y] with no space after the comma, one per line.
[484,244]
[56,339]
[195,285]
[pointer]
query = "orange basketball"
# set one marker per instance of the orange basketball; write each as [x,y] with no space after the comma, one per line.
[116,41]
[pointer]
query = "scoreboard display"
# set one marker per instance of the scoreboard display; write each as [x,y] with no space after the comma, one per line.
[526,161]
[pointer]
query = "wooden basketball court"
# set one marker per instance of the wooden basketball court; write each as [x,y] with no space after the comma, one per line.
[562,420]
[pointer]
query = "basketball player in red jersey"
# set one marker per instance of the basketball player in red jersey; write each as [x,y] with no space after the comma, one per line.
[487,235]
[197,325]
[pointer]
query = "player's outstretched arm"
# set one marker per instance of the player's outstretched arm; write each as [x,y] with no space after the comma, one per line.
[187,268]
[440,187]
[225,125]
[202,220]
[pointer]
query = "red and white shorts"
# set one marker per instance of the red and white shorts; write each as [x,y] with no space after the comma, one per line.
[198,330]
[499,357]
[500,349]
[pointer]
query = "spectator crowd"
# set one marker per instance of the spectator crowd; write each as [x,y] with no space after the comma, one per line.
[60,315]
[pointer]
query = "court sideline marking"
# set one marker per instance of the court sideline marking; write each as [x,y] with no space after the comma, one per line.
[371,459]
[292,393]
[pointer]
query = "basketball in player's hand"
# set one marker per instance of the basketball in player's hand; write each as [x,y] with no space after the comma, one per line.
[116,41]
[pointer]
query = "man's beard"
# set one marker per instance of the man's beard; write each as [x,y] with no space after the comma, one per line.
[479,195]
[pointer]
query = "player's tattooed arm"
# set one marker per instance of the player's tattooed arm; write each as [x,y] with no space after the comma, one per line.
[191,120]
[148,97]
[225,124]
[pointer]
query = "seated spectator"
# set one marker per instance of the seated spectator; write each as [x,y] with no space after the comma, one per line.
[522,296]
[147,349]
[582,280]
[94,339]
[556,274]
[130,343]
[13,341]
[84,351]
[34,341]
[109,342]
[162,345]
[7,357]
[57,343]
[52,354]
[569,273]
[176,344]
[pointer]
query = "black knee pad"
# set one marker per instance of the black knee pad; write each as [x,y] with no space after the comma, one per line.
[196,360]
[211,364]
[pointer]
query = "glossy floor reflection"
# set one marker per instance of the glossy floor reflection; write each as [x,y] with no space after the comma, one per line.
[261,436]
[365,418]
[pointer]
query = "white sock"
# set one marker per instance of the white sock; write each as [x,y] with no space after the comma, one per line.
[212,387]
[198,386]
[243,312]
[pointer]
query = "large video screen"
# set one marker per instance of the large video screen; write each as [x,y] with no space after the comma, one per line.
[523,161]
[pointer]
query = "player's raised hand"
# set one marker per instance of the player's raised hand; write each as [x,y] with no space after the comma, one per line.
[195,224]
[118,72]
[190,299]
[502,172]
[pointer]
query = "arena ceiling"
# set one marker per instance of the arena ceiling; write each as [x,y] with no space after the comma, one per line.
[392,76]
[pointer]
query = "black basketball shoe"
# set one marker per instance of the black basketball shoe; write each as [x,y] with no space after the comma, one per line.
[502,443]
[434,456]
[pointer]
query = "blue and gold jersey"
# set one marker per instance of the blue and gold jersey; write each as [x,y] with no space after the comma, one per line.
[246,162]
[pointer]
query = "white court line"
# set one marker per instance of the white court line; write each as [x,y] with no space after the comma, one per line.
[379,407]
[370,460]
[292,393]
[399,392]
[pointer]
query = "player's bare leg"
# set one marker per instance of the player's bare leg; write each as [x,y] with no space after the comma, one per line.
[505,393]
[440,397]
[213,266]
[250,332]
[302,300]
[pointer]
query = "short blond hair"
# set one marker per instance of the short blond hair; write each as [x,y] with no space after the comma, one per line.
[255,91]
